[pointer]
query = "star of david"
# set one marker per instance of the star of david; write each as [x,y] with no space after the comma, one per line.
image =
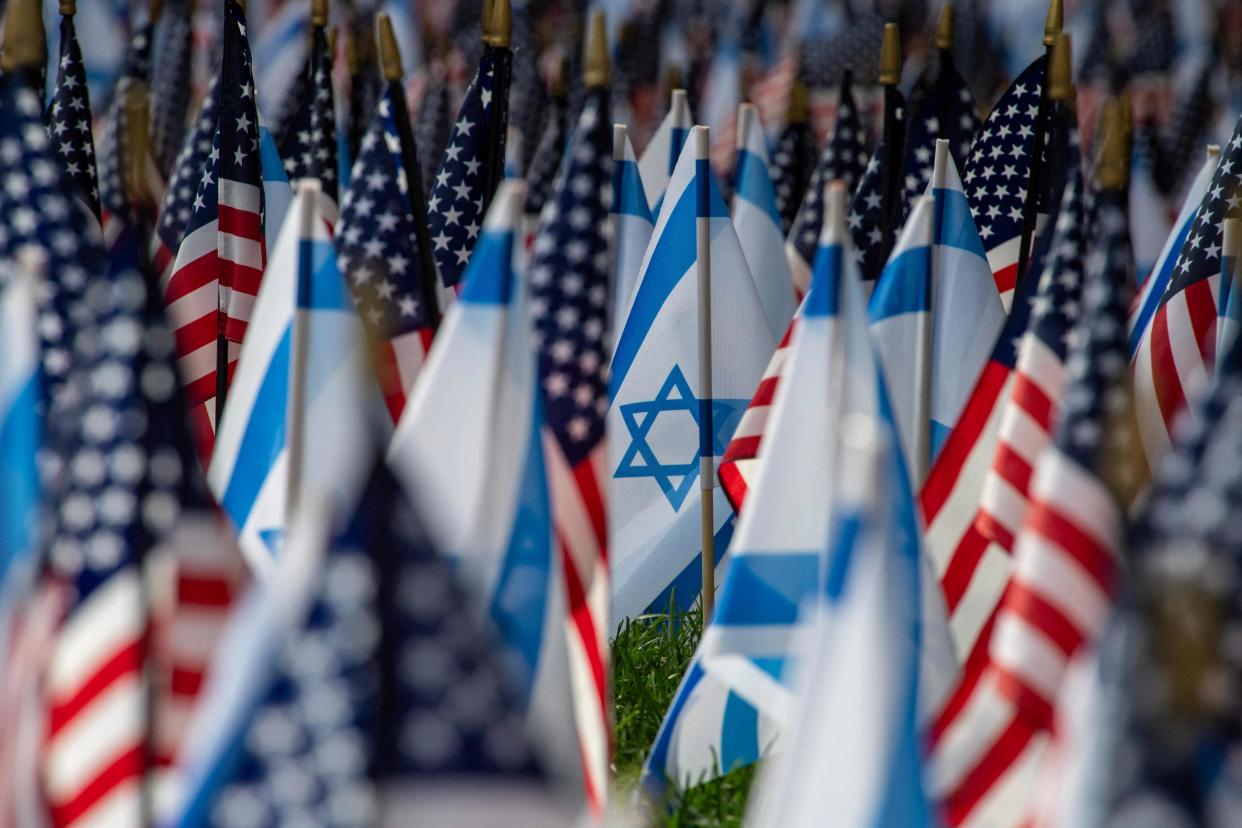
[640,460]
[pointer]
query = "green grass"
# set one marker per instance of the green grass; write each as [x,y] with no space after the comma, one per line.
[649,656]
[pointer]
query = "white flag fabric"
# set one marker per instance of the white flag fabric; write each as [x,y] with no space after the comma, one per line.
[633,224]
[657,406]
[660,157]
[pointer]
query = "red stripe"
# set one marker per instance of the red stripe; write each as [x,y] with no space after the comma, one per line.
[239,277]
[734,486]
[1202,309]
[1168,385]
[390,379]
[948,466]
[994,531]
[1014,468]
[126,660]
[194,335]
[1032,706]
[1006,278]
[991,767]
[200,429]
[1032,399]
[128,765]
[1024,602]
[962,565]
[765,392]
[203,590]
[192,275]
[185,681]
[201,390]
[593,500]
[972,671]
[243,223]
[1095,560]
[742,448]
[235,330]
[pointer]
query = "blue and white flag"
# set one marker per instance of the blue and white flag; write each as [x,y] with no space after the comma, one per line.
[277,193]
[303,370]
[634,224]
[469,447]
[758,222]
[1229,297]
[900,314]
[664,149]
[657,409]
[967,312]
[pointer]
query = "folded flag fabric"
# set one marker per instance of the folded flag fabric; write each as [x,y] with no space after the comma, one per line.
[657,409]
[633,224]
[660,157]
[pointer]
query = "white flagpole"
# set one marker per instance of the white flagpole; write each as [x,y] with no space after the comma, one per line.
[707,465]
[308,192]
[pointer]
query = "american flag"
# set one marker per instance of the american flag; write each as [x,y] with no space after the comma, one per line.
[1174,355]
[385,680]
[866,217]
[546,161]
[69,119]
[433,125]
[222,253]
[309,148]
[845,158]
[570,274]
[171,84]
[455,208]
[944,108]
[378,257]
[793,155]
[1066,556]
[178,203]
[997,172]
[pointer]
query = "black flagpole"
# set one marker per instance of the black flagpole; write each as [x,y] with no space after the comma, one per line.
[390,62]
[890,175]
[497,29]
[1030,209]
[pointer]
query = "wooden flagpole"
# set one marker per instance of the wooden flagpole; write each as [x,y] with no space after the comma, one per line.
[707,464]
[390,64]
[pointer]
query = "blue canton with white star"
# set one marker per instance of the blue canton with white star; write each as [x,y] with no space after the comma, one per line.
[1056,305]
[69,119]
[179,198]
[309,150]
[946,110]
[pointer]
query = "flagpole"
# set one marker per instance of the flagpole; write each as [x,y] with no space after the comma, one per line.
[307,196]
[390,63]
[921,450]
[890,175]
[1030,209]
[1231,248]
[944,38]
[222,342]
[25,45]
[707,465]
[497,29]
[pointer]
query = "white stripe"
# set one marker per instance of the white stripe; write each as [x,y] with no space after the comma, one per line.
[197,364]
[239,195]
[1075,494]
[1029,654]
[110,620]
[1061,581]
[1002,502]
[410,354]
[1152,429]
[1184,346]
[194,305]
[987,585]
[238,304]
[1041,365]
[1008,801]
[972,732]
[241,250]
[119,809]
[1022,434]
[194,246]
[114,722]
[1004,254]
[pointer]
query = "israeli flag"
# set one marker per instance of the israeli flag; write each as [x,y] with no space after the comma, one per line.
[967,313]
[657,402]
[737,702]
[758,224]
[633,223]
[300,408]
[468,447]
[277,192]
[664,148]
[901,325]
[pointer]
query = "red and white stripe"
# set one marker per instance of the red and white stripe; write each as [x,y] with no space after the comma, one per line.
[580,517]
[95,760]
[741,458]
[986,748]
[242,253]
[1003,259]
[398,361]
[1173,362]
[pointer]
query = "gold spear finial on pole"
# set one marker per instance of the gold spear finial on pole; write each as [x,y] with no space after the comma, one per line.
[68,8]
[1060,71]
[1054,22]
[944,28]
[25,43]
[596,74]
[890,56]
[390,54]
[319,12]
[137,140]
[501,28]
[1113,167]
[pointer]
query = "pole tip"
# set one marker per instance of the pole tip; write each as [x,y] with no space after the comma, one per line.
[319,12]
[68,8]
[1213,152]
[25,44]
[596,72]
[798,112]
[497,23]
[137,139]
[1113,167]
[1232,242]
[1060,71]
[890,56]
[1054,21]
[390,54]
[944,28]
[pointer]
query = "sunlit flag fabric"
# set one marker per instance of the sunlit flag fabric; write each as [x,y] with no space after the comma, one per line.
[570,273]
[962,290]
[899,314]
[943,109]
[311,142]
[69,119]
[172,85]
[373,625]
[378,255]
[470,442]
[1174,354]
[997,171]
[1153,288]
[633,225]
[656,408]
[844,158]
[455,207]
[758,224]
[1066,556]
[664,149]
[306,358]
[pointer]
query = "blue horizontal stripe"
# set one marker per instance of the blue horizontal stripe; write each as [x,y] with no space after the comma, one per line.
[768,588]
[685,588]
[489,276]
[755,184]
[627,187]
[321,287]
[955,224]
[904,286]
[264,437]
[676,141]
